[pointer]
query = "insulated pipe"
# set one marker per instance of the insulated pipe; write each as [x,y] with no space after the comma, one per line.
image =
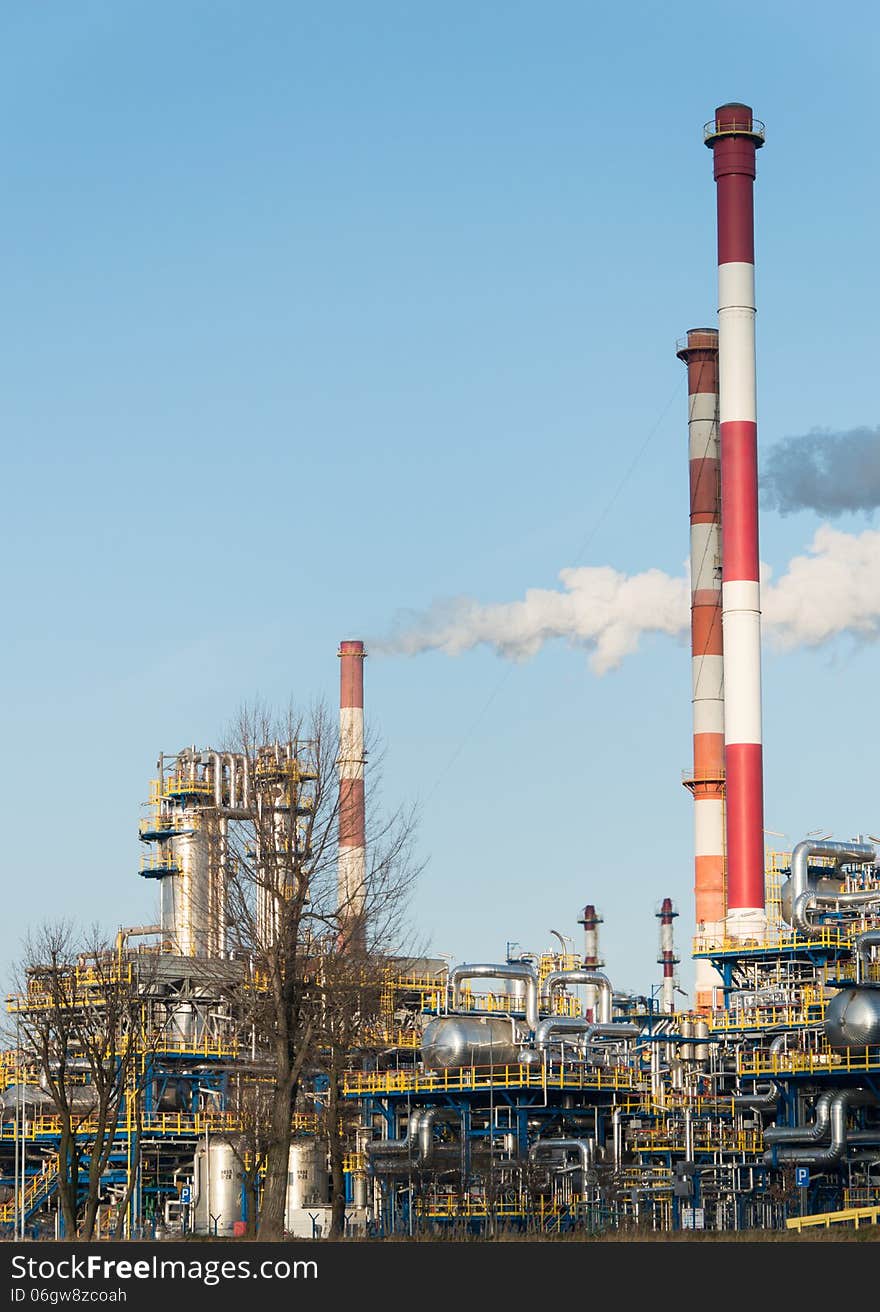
[427,1121]
[352,821]
[134,931]
[577,1027]
[863,945]
[804,1133]
[517,970]
[667,957]
[706,782]
[591,921]
[830,1156]
[583,1147]
[766,1095]
[734,137]
[557,979]
[803,898]
[380,1147]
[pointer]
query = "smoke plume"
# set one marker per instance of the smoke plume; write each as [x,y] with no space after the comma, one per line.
[833,589]
[826,472]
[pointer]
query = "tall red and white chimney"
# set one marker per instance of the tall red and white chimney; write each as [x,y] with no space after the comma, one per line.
[734,136]
[352,822]
[706,781]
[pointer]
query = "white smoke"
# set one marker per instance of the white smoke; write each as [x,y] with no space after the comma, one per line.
[832,590]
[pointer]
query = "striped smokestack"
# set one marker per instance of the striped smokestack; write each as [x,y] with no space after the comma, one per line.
[667,957]
[734,137]
[591,921]
[352,823]
[706,782]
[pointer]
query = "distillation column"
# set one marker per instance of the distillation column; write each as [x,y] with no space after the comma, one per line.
[734,137]
[706,783]
[352,823]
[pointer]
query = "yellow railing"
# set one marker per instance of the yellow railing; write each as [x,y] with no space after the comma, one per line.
[354,1163]
[752,127]
[484,1077]
[826,937]
[452,1206]
[35,1187]
[810,1063]
[725,1139]
[767,1017]
[850,1216]
[166,1123]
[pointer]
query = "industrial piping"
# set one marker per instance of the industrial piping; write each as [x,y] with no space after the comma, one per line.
[804,898]
[515,970]
[557,979]
[706,782]
[734,137]
[352,822]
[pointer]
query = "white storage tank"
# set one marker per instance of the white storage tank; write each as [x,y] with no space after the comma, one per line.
[308,1180]
[218,1177]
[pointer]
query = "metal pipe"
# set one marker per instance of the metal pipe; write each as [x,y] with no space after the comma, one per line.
[803,898]
[766,1095]
[863,944]
[134,931]
[425,1131]
[733,138]
[574,1026]
[805,1133]
[830,1156]
[544,1147]
[559,978]
[517,970]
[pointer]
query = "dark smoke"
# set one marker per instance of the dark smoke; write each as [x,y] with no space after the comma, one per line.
[826,472]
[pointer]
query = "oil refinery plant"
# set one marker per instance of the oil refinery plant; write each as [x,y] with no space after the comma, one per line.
[528,1093]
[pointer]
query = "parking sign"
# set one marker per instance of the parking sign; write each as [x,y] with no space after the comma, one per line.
[802,1176]
[186,1195]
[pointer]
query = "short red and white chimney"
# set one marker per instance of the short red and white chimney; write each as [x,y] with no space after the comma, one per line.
[591,921]
[352,822]
[734,137]
[667,957]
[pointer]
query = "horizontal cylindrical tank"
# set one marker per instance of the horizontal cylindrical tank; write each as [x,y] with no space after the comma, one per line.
[450,1041]
[308,1182]
[852,1019]
[218,1176]
[815,885]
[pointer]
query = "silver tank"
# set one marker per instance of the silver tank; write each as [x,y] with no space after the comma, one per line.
[308,1183]
[852,1019]
[450,1041]
[216,1189]
[814,884]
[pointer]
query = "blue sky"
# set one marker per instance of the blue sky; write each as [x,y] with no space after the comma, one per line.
[316,314]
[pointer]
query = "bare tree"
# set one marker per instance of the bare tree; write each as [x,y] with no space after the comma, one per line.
[79,1024]
[286,914]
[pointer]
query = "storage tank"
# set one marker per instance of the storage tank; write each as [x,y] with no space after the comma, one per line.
[852,1019]
[450,1041]
[308,1181]
[218,1177]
